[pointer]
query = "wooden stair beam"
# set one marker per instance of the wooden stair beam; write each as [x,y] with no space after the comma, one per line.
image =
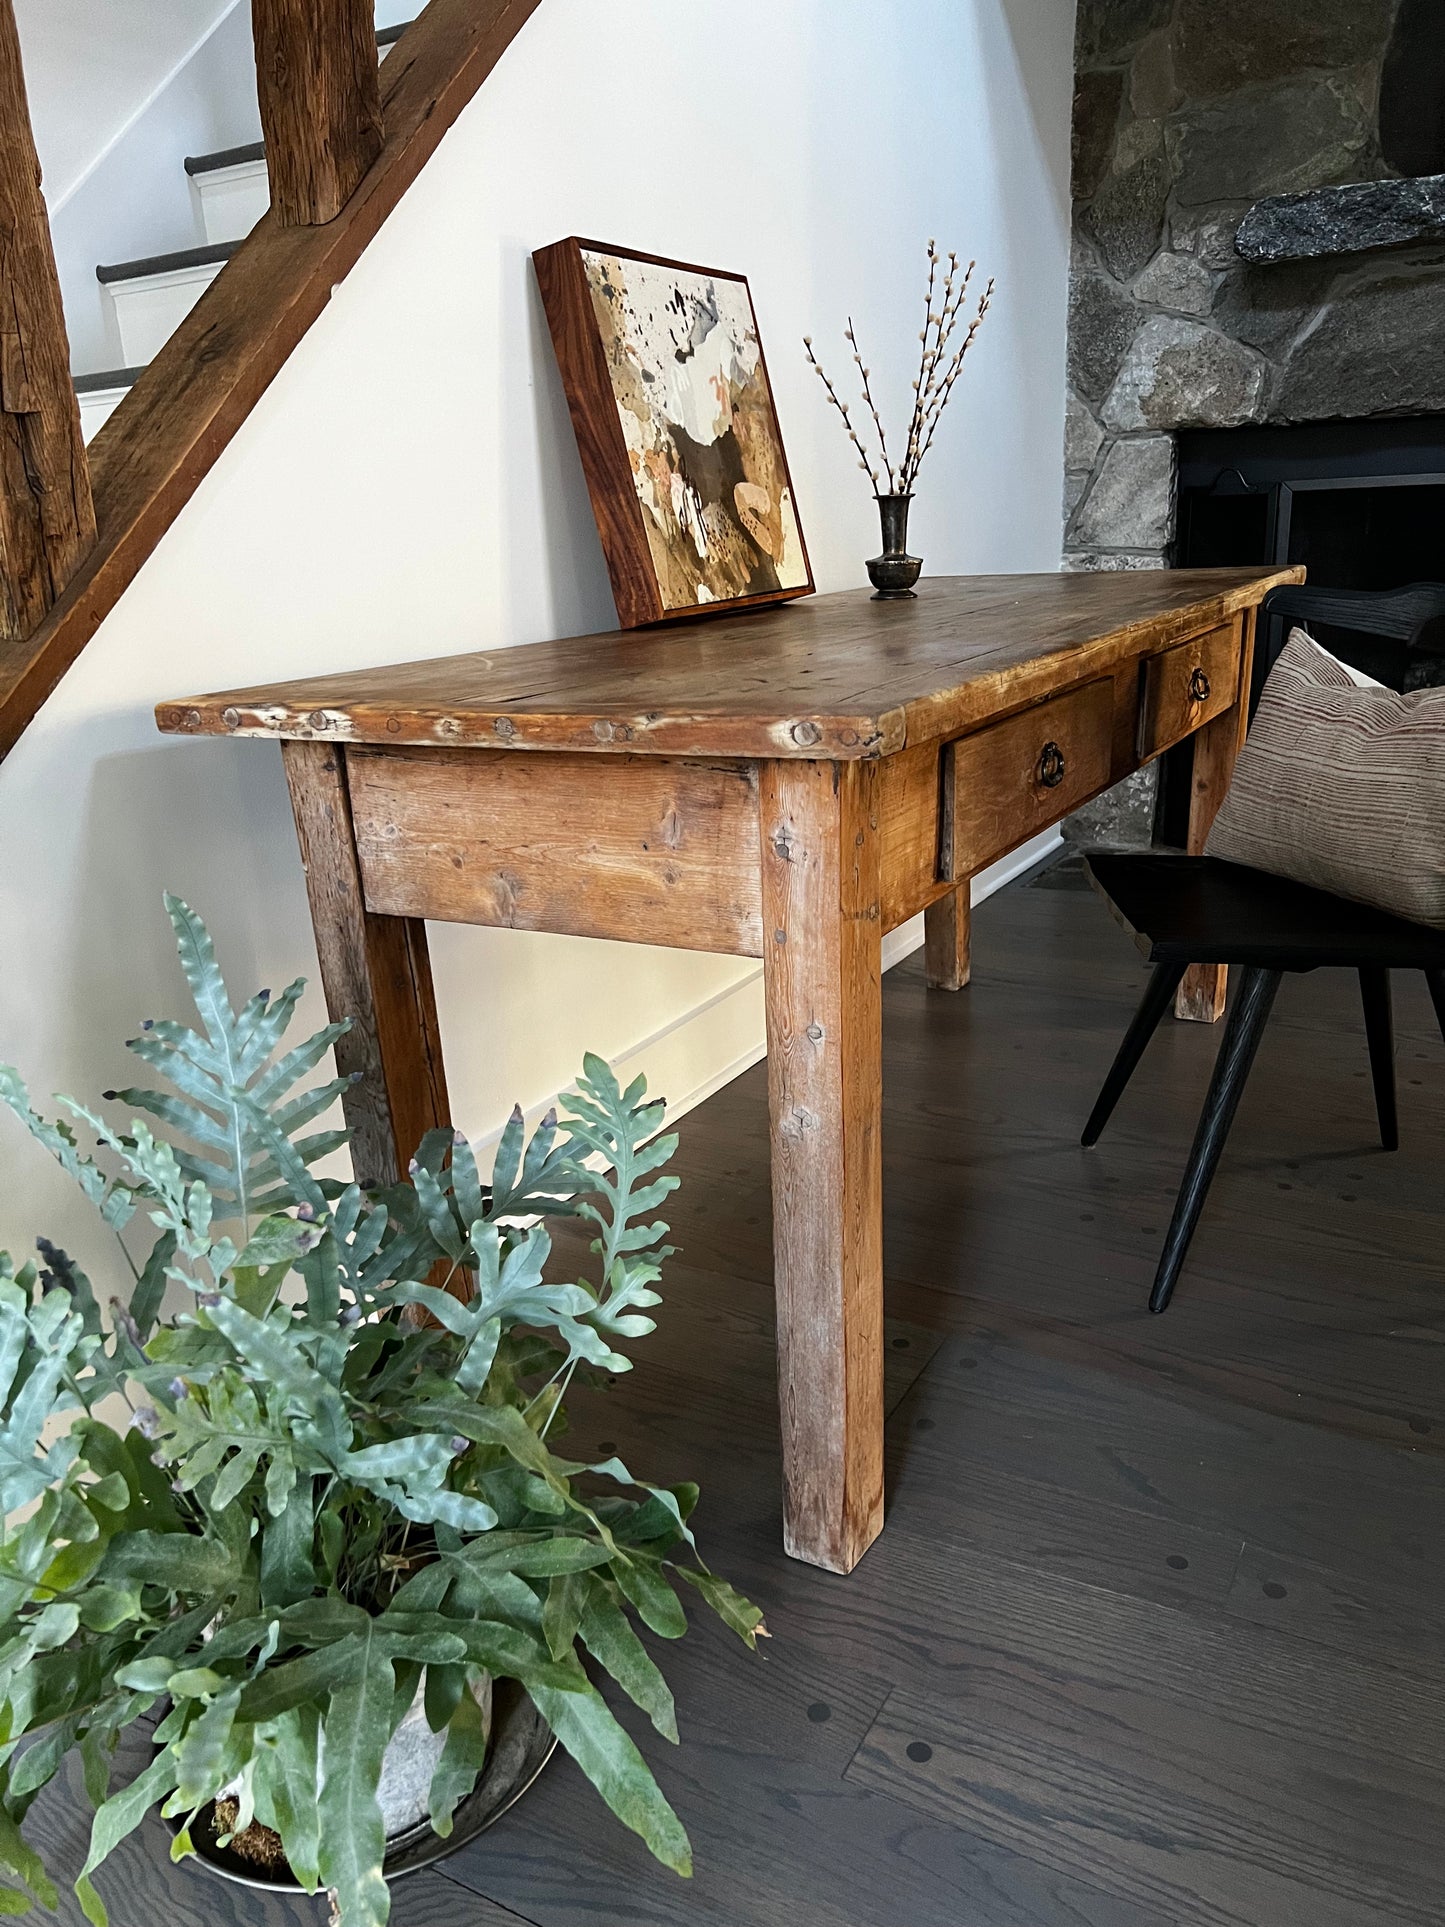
[47,514]
[318,90]
[148,459]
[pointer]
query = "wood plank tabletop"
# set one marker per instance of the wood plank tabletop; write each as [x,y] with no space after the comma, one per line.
[839,676]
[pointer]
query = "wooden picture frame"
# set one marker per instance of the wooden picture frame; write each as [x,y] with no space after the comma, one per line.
[669,394]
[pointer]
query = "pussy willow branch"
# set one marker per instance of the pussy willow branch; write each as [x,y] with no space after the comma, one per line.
[842,407]
[938,370]
[852,341]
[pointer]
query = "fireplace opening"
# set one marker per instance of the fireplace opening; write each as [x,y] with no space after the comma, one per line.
[1360,503]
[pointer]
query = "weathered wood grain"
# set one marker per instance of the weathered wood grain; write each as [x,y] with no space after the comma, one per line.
[836,676]
[640,848]
[822,957]
[1186,687]
[47,516]
[192,398]
[374,970]
[1216,747]
[318,90]
[1005,783]
[947,925]
[909,800]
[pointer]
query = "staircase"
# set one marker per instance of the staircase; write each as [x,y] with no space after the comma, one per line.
[151,297]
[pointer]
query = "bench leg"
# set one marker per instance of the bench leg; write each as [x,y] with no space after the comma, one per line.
[1380,1034]
[947,925]
[374,970]
[1248,1015]
[822,972]
[1216,748]
[1158,995]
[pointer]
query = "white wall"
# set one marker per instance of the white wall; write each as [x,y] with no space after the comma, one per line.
[409,487]
[92,66]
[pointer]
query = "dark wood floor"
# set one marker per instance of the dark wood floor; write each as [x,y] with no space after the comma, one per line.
[1153,1637]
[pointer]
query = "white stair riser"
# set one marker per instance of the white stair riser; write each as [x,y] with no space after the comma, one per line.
[232,200]
[96,409]
[149,309]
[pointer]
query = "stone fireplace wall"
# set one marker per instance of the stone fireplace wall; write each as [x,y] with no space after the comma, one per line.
[1186,113]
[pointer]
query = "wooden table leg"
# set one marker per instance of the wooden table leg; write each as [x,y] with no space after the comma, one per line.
[947,925]
[375,970]
[822,967]
[1201,995]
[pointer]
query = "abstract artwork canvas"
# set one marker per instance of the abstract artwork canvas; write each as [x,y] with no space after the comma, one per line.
[669,395]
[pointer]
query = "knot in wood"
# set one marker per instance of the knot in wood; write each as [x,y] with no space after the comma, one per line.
[805,734]
[799,1123]
[815,1031]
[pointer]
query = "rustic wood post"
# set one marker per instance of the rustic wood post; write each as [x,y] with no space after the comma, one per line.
[320,100]
[47,516]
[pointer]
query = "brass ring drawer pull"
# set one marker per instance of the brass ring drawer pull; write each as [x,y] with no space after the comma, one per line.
[1199,686]
[1051,766]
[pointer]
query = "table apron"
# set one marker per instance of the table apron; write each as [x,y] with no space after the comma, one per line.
[642,848]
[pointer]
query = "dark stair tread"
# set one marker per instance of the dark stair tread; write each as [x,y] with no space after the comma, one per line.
[106,378]
[164,263]
[225,157]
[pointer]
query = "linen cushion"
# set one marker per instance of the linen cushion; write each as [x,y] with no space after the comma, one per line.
[1341,784]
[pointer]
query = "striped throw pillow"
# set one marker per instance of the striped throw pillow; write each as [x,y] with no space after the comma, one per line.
[1341,784]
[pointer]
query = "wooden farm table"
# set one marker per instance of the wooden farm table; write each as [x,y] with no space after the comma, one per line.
[787,784]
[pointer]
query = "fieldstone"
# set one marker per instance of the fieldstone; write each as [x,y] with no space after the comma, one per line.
[1176,281]
[1269,308]
[1276,141]
[1097,99]
[1106,562]
[1082,435]
[1122,818]
[1181,374]
[1102,321]
[1343,220]
[1153,89]
[1220,45]
[1125,219]
[1131,502]
[1074,486]
[1106,29]
[1208,234]
[1378,349]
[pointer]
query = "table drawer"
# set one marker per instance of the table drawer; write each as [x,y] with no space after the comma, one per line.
[1186,686]
[1003,784]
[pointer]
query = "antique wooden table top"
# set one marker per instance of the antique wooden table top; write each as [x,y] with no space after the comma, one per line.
[838,676]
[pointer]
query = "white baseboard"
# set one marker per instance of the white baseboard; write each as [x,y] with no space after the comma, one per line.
[694,1055]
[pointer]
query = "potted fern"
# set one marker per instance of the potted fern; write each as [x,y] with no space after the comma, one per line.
[307,1517]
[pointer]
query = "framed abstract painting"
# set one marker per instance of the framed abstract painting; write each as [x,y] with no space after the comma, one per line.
[675,423]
